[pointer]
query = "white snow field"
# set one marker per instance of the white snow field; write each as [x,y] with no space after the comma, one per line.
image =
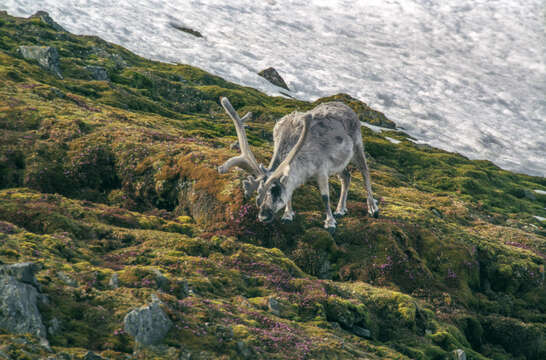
[462,75]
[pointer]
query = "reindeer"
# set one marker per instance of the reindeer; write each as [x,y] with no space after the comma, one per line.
[317,143]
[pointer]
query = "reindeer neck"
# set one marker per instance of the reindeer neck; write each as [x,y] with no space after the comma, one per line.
[295,176]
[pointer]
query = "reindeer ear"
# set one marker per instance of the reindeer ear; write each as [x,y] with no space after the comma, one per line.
[250,185]
[284,179]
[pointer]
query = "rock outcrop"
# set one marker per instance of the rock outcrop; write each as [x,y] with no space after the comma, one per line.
[46,56]
[364,112]
[97,73]
[148,324]
[271,75]
[45,18]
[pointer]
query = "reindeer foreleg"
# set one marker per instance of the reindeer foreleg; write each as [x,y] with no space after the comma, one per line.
[288,212]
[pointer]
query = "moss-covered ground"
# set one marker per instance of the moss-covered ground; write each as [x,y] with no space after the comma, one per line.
[119,177]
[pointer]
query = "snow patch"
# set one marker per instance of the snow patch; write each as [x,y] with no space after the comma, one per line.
[462,75]
[394,141]
[375,128]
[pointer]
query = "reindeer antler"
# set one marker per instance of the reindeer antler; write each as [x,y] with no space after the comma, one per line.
[304,131]
[292,154]
[246,160]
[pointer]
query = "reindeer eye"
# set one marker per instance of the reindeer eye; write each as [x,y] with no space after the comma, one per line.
[276,191]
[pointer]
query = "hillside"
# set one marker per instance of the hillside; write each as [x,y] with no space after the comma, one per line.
[108,186]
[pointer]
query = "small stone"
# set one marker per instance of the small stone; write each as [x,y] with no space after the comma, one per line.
[67,279]
[185,355]
[161,281]
[436,212]
[271,75]
[184,289]
[148,324]
[114,281]
[244,350]
[324,270]
[54,326]
[92,356]
[47,57]
[458,354]
[274,306]
[98,72]
[360,331]
[186,29]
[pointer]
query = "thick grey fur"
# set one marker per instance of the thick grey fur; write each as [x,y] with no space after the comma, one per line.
[332,141]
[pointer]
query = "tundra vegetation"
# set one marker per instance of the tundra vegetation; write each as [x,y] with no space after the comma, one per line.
[108,183]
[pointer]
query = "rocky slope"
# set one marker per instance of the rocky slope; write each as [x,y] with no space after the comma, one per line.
[119,239]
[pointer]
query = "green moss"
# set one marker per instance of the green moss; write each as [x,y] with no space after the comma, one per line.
[121,179]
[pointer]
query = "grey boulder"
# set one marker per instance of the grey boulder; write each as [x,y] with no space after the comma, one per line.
[46,56]
[458,354]
[148,324]
[23,272]
[18,308]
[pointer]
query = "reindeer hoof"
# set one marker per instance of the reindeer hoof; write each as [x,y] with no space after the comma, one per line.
[341,213]
[330,225]
[373,209]
[288,217]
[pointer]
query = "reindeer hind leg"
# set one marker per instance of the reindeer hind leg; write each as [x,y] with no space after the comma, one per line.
[330,222]
[360,160]
[345,178]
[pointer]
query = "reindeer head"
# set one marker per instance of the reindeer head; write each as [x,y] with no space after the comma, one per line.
[272,197]
[270,185]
